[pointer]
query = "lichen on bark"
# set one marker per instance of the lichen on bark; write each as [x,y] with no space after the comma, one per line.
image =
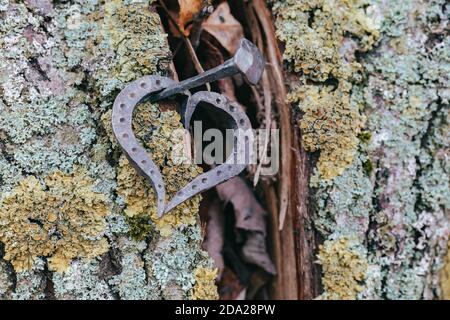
[321,38]
[344,268]
[386,134]
[62,64]
[61,219]
[445,276]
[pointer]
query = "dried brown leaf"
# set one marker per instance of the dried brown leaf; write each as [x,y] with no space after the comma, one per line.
[250,217]
[255,251]
[188,10]
[214,239]
[230,287]
[224,27]
[249,213]
[241,295]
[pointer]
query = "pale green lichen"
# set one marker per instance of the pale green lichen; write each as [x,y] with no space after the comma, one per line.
[393,197]
[45,121]
[30,284]
[157,132]
[5,281]
[173,261]
[409,120]
[10,175]
[131,283]
[344,207]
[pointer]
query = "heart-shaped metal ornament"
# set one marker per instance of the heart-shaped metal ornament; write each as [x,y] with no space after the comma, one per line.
[135,93]
[248,61]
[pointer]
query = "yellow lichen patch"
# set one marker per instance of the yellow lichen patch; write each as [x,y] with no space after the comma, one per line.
[445,276]
[133,188]
[204,288]
[107,125]
[134,33]
[159,132]
[343,270]
[61,218]
[321,37]
[313,32]
[329,124]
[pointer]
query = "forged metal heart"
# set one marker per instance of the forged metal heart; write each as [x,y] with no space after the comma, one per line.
[140,91]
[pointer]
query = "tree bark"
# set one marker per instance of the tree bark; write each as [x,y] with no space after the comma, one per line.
[75,220]
[369,86]
[362,95]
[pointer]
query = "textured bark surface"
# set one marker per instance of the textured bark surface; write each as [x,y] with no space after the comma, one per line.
[76,221]
[371,88]
[368,210]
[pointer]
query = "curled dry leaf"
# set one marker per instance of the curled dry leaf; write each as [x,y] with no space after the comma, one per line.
[255,251]
[214,239]
[188,10]
[249,213]
[224,27]
[250,217]
[230,288]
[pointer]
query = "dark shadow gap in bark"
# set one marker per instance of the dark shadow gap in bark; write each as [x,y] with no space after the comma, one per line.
[293,249]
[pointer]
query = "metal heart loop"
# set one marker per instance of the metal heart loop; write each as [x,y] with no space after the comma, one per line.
[139,91]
